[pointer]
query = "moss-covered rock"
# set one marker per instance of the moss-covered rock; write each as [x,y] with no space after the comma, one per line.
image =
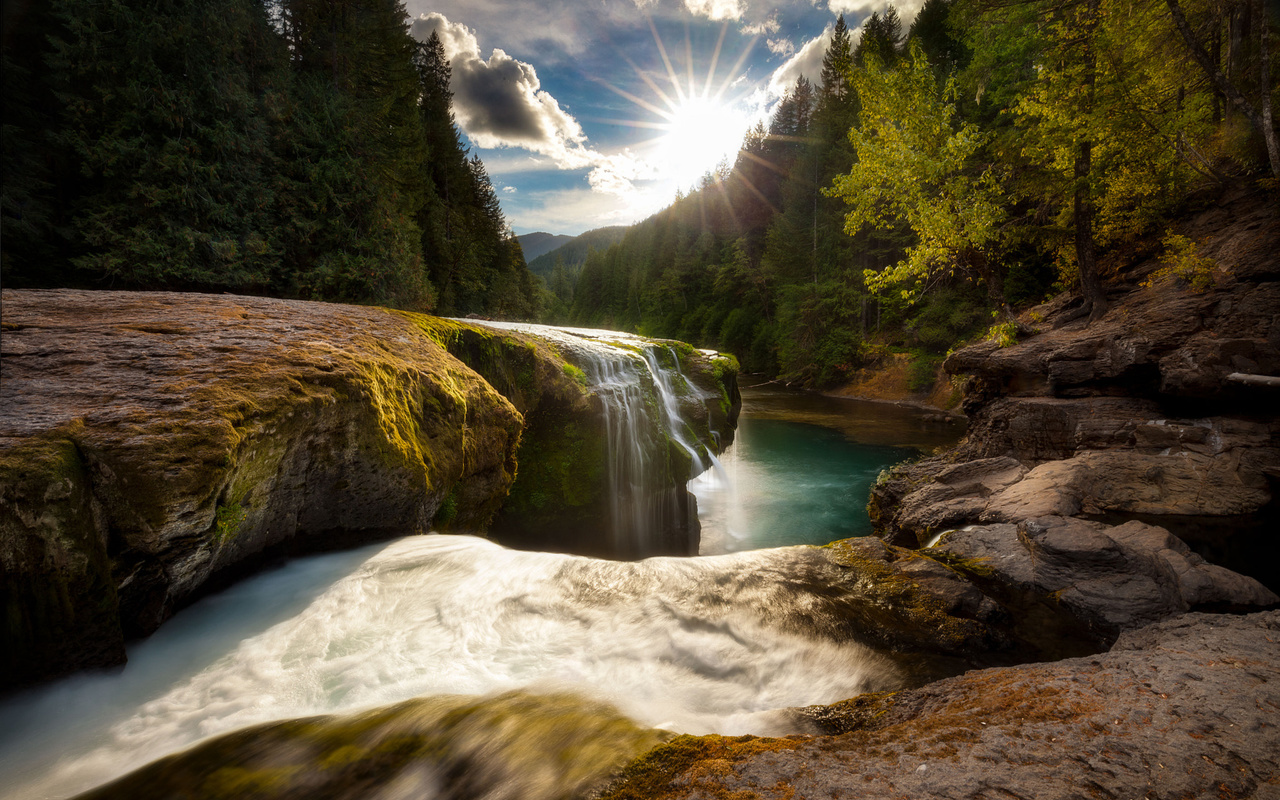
[156,442]
[562,496]
[58,595]
[516,746]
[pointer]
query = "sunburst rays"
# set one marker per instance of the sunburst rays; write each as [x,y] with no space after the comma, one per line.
[696,118]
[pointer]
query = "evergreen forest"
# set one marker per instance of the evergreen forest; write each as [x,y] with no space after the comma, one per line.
[937,176]
[931,180]
[296,148]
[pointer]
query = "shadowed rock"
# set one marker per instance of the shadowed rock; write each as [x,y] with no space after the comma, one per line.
[1184,708]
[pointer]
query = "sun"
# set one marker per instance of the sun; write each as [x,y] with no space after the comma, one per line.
[697,124]
[698,134]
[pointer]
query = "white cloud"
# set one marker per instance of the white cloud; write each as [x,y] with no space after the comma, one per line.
[499,103]
[716,9]
[763,28]
[781,47]
[861,9]
[806,62]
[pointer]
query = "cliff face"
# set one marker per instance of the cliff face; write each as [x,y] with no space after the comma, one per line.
[1139,415]
[154,444]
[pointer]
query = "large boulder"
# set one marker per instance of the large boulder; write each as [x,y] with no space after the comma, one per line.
[155,442]
[1110,578]
[1185,708]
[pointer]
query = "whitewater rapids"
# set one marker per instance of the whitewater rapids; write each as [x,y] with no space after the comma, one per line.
[694,645]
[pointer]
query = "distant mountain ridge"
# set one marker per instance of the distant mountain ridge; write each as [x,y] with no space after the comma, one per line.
[535,244]
[574,251]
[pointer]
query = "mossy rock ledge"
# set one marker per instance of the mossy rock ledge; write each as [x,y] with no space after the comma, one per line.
[562,498]
[156,445]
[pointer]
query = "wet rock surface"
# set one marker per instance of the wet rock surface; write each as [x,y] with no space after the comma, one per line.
[156,445]
[152,441]
[513,746]
[1189,707]
[1111,578]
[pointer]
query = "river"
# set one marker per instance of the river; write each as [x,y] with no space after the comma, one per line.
[693,645]
[802,465]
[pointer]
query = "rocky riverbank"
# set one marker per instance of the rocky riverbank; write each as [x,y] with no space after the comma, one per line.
[1087,445]
[153,445]
[1183,708]
[1141,415]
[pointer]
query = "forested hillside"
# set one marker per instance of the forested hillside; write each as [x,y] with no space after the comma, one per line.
[300,148]
[935,176]
[559,268]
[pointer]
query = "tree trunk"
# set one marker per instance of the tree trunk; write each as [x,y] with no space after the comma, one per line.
[1260,119]
[1264,86]
[1095,297]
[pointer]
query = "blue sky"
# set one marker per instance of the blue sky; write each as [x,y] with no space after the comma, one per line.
[596,112]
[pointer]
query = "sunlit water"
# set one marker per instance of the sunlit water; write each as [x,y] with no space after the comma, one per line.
[801,467]
[690,645]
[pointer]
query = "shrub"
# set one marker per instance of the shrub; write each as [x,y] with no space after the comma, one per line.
[1184,264]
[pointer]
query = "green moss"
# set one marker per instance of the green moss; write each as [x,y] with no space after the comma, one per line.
[897,609]
[691,766]
[862,713]
[227,521]
[575,374]
[448,510]
[973,568]
[237,782]
[553,745]
[562,472]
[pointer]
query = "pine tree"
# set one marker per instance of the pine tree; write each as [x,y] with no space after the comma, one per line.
[881,37]
[837,63]
[164,111]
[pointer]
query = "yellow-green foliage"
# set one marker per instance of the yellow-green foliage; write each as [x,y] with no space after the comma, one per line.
[576,374]
[1183,263]
[911,166]
[1004,334]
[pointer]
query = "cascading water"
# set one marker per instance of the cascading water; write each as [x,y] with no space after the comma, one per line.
[717,644]
[641,410]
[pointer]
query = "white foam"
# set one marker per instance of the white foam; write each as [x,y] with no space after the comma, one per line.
[430,615]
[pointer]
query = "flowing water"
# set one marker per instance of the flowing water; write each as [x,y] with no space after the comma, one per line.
[694,645]
[719,643]
[624,372]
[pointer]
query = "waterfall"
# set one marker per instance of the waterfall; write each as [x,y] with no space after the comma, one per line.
[676,427]
[643,422]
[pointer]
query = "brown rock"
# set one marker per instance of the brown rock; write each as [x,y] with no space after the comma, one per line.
[1185,708]
[1111,578]
[189,433]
